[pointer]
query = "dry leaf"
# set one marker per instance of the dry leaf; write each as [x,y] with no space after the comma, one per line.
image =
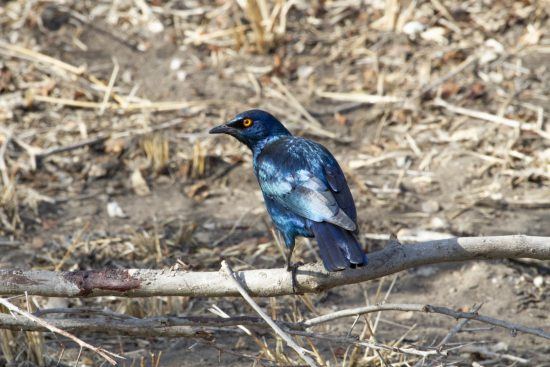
[449,89]
[477,90]
[340,119]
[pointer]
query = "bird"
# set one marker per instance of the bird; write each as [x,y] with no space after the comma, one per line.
[304,189]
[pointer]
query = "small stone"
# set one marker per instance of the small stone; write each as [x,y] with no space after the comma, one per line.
[175,64]
[500,347]
[491,51]
[181,75]
[97,171]
[430,206]
[538,281]
[401,161]
[305,71]
[114,210]
[495,45]
[411,29]
[487,56]
[435,34]
[496,77]
[155,26]
[438,223]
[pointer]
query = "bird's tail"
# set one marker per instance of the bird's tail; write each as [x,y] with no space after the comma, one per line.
[339,249]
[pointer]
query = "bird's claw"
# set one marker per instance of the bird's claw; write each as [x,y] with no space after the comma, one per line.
[293,268]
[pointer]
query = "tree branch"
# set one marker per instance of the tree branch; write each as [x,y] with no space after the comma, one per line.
[38,322]
[197,326]
[302,352]
[428,309]
[310,278]
[152,327]
[161,326]
[201,327]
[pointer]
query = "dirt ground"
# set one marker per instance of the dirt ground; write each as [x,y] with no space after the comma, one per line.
[463,150]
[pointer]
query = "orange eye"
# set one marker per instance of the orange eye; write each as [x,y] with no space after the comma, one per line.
[247,122]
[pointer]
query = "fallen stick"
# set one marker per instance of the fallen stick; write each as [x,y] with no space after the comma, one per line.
[146,105]
[3,149]
[32,55]
[428,309]
[302,352]
[457,70]
[309,121]
[109,88]
[360,97]
[369,344]
[492,118]
[310,278]
[457,328]
[175,326]
[108,356]
[484,351]
[37,154]
[169,327]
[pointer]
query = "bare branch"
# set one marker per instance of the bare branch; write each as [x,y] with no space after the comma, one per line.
[310,278]
[46,325]
[372,345]
[484,351]
[457,328]
[176,327]
[492,118]
[156,326]
[429,309]
[302,352]
[3,148]
[196,326]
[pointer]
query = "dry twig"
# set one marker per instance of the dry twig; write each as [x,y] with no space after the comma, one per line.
[3,149]
[473,315]
[108,356]
[492,118]
[302,352]
[457,328]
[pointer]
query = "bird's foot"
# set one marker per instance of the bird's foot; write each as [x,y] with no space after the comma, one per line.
[293,268]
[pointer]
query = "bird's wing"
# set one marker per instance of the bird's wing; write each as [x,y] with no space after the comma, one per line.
[298,189]
[339,186]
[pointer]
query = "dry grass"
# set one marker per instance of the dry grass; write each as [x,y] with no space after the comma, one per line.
[437,110]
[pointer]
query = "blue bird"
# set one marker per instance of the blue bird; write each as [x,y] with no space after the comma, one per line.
[304,188]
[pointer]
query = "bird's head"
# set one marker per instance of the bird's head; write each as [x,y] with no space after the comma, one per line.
[252,127]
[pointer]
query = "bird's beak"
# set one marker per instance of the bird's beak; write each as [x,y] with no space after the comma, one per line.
[222,129]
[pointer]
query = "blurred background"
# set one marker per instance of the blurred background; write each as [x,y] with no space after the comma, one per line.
[437,111]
